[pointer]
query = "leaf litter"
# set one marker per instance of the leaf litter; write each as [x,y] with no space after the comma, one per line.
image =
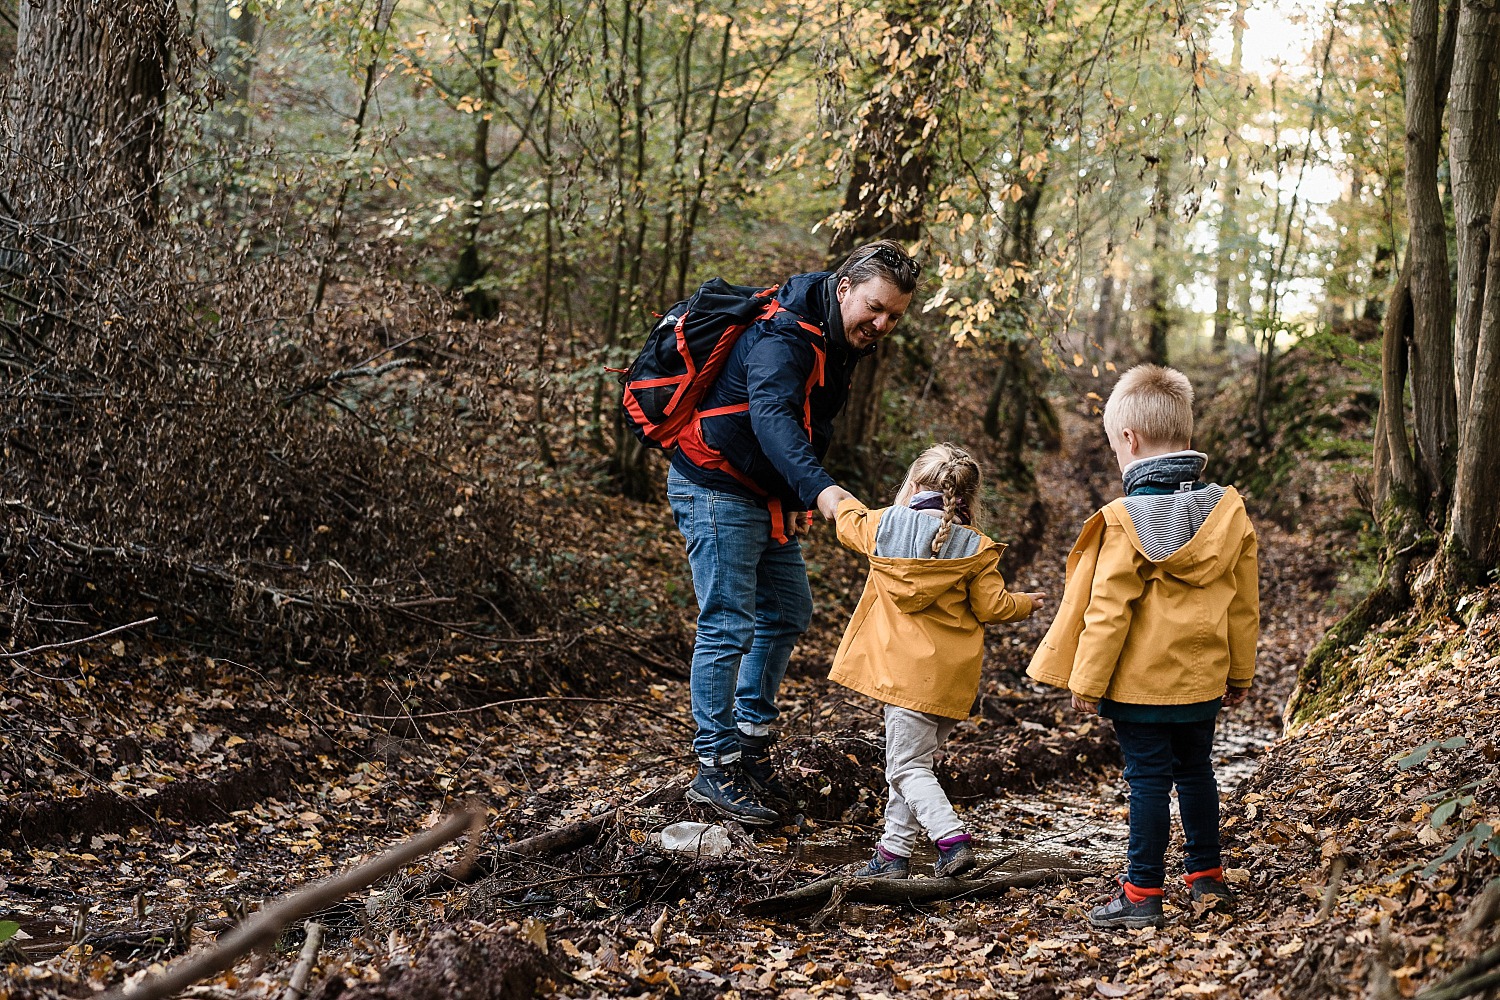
[153,797]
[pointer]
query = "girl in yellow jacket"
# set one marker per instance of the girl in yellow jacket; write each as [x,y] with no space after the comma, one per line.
[917,639]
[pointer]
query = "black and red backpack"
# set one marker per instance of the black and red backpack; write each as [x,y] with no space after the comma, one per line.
[684,353]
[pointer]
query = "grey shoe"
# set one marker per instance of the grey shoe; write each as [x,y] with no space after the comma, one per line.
[885,865]
[1122,911]
[955,859]
[727,791]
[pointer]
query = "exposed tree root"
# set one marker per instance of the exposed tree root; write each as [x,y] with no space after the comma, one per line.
[904,892]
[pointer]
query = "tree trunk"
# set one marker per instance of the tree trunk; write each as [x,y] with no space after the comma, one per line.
[90,92]
[1474,162]
[1225,266]
[1475,518]
[1397,501]
[469,269]
[1107,315]
[630,461]
[236,33]
[885,199]
[1433,401]
[1157,311]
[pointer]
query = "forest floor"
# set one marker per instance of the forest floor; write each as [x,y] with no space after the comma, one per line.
[155,796]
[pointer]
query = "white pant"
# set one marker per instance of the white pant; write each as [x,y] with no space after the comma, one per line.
[917,803]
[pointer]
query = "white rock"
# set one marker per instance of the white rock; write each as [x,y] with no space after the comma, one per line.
[702,839]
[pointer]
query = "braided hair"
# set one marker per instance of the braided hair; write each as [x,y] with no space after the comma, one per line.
[949,470]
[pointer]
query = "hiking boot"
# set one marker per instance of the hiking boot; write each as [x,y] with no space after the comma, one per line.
[955,856]
[1207,887]
[1131,908]
[885,865]
[727,791]
[760,767]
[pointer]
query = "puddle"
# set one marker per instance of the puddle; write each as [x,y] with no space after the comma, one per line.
[1237,752]
[39,938]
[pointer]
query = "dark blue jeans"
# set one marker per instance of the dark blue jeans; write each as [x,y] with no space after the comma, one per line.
[1157,756]
[753,604]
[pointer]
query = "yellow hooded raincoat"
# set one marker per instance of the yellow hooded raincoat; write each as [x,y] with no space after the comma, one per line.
[1142,632]
[916,639]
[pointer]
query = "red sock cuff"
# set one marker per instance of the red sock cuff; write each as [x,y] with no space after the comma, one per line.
[1136,894]
[1213,873]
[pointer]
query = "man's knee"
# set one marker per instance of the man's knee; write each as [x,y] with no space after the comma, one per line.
[726,632]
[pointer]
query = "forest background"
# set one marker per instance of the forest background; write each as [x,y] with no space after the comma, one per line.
[307,307]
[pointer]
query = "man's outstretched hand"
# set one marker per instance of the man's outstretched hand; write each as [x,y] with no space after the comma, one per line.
[829,500]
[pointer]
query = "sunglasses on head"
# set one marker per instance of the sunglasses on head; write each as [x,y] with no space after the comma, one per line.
[897,261]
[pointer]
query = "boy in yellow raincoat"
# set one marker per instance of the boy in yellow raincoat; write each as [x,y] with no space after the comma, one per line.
[1157,631]
[916,641]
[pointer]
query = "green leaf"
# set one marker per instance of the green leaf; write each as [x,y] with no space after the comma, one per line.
[8,930]
[1448,855]
[1416,757]
[1454,742]
[1444,813]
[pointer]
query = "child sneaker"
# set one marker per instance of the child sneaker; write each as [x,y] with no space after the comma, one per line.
[727,791]
[1131,908]
[955,856]
[1208,887]
[885,865]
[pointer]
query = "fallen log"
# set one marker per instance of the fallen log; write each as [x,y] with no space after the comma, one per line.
[542,845]
[261,929]
[904,892]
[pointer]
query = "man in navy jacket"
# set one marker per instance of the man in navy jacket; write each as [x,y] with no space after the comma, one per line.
[747,473]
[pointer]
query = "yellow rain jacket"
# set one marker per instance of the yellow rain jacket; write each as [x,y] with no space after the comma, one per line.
[916,639]
[1145,632]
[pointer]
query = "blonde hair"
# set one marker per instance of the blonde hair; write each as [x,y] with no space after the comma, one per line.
[950,470]
[1155,402]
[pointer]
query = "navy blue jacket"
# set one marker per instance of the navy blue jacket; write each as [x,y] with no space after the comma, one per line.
[769,368]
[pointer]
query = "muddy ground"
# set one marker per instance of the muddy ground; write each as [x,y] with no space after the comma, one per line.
[151,798]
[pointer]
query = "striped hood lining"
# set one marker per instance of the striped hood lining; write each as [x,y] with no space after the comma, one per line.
[1168,521]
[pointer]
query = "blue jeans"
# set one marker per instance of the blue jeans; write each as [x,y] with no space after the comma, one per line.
[753,604]
[1157,756]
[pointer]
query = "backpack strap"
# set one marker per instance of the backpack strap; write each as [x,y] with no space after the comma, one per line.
[690,438]
[691,442]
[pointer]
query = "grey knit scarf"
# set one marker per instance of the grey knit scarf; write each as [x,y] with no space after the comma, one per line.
[1167,471]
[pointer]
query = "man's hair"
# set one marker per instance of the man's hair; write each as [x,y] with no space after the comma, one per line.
[882,259]
[1153,401]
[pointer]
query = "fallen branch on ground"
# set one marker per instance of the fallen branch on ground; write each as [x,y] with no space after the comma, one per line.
[1472,977]
[564,838]
[262,929]
[905,892]
[75,642]
[296,989]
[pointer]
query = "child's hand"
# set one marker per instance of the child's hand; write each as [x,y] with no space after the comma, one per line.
[1235,696]
[1086,707]
[1037,599]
